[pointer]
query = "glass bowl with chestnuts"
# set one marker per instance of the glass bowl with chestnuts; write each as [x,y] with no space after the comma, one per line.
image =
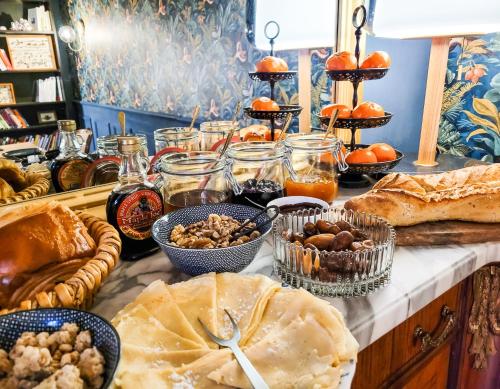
[334,252]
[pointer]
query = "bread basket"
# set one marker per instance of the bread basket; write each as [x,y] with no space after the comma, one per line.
[76,285]
[38,186]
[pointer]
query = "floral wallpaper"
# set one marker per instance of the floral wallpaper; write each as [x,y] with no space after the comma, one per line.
[169,55]
[470,119]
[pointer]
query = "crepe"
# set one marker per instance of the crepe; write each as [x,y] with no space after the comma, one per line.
[300,356]
[141,329]
[157,300]
[196,298]
[245,298]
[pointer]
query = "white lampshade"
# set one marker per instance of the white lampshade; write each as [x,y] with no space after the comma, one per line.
[303,23]
[432,18]
[67,34]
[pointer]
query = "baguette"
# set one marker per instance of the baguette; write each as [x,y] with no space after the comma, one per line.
[469,194]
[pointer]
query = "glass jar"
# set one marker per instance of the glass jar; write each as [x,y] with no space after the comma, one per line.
[195,178]
[315,164]
[107,145]
[213,134]
[178,137]
[259,170]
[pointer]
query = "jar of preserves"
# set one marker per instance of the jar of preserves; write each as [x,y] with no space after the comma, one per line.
[315,165]
[213,134]
[259,170]
[195,178]
[182,138]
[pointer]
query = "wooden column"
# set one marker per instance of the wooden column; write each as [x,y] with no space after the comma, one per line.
[433,101]
[304,75]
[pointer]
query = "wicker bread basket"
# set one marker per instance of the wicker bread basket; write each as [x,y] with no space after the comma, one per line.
[38,186]
[79,288]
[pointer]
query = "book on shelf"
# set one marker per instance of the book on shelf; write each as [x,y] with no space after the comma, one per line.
[39,19]
[45,142]
[49,90]
[11,118]
[5,63]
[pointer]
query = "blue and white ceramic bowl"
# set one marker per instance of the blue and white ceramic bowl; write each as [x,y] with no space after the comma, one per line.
[104,335]
[199,261]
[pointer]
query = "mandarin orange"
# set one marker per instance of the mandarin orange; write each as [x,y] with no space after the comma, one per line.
[383,152]
[264,104]
[377,59]
[361,156]
[342,60]
[271,64]
[344,111]
[367,110]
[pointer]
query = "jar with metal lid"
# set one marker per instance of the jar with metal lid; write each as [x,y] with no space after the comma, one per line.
[315,162]
[182,138]
[213,134]
[195,178]
[107,145]
[259,168]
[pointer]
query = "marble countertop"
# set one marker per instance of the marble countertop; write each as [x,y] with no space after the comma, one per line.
[419,275]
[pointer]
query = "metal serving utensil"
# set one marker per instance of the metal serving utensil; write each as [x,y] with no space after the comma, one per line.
[243,230]
[252,374]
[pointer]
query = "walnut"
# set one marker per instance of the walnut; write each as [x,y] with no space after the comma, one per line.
[58,338]
[83,341]
[91,367]
[32,361]
[71,358]
[42,339]
[27,339]
[16,351]
[68,377]
[72,328]
[5,363]
[65,348]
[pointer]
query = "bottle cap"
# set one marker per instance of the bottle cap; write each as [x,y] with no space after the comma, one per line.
[128,144]
[66,125]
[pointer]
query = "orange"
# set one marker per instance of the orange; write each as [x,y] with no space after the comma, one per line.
[264,104]
[344,111]
[329,159]
[271,64]
[254,136]
[383,152]
[267,135]
[377,59]
[367,110]
[342,60]
[361,156]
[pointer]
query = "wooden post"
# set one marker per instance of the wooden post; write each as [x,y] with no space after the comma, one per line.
[304,74]
[433,102]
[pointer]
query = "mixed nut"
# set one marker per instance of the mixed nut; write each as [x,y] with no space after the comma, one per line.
[215,232]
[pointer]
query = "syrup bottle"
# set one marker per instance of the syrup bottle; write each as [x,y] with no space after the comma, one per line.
[135,203]
[68,168]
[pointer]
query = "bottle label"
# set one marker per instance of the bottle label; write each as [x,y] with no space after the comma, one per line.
[137,213]
[71,174]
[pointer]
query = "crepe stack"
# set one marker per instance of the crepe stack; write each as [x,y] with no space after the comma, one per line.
[293,339]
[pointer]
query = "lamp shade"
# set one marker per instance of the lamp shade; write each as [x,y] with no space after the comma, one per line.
[432,18]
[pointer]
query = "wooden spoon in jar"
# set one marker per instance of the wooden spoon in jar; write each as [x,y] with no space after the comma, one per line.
[122,121]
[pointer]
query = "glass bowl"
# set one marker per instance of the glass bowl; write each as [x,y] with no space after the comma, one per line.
[336,274]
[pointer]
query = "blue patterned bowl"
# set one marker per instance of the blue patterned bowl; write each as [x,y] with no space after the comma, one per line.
[104,335]
[199,261]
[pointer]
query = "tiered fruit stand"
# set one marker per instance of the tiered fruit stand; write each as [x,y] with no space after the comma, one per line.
[272,78]
[353,177]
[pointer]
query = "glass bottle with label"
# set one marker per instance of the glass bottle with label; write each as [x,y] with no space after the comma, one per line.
[68,168]
[135,203]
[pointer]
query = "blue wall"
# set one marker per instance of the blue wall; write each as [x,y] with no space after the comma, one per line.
[401,92]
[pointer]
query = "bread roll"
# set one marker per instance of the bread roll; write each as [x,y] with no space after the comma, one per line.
[37,235]
[469,194]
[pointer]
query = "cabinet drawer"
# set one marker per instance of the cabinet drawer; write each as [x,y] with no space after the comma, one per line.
[382,363]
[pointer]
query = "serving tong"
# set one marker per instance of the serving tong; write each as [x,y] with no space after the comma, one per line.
[243,230]
[252,374]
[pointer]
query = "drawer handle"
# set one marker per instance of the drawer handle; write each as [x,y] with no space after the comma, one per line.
[447,323]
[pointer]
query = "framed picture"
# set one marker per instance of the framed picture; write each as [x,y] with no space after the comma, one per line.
[31,52]
[7,94]
[47,117]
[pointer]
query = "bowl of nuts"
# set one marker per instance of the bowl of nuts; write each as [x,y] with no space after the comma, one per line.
[334,252]
[212,238]
[57,347]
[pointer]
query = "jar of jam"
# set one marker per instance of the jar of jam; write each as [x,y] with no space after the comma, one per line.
[315,164]
[195,178]
[68,168]
[178,137]
[259,170]
[213,134]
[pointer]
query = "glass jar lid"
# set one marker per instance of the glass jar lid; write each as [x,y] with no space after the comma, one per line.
[312,142]
[256,151]
[191,163]
[176,133]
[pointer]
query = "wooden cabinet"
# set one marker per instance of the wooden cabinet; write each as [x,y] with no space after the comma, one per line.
[430,350]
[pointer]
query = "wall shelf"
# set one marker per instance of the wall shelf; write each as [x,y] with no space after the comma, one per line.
[29,71]
[42,128]
[31,103]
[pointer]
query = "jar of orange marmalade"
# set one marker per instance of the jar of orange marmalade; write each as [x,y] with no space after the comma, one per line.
[315,163]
